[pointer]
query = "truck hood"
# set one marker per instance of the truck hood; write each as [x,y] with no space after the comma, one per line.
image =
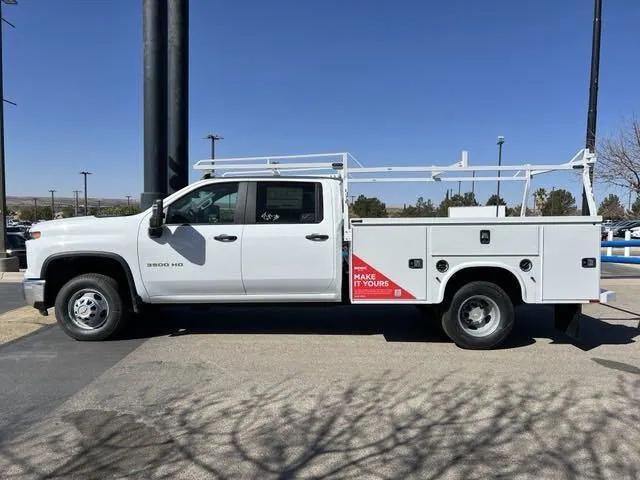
[88,224]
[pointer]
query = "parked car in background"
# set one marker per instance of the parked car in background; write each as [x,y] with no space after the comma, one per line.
[17,228]
[620,231]
[16,247]
[610,226]
[635,232]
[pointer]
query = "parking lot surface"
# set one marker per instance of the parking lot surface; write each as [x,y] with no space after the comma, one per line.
[333,392]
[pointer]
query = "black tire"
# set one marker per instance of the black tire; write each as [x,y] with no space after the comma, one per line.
[100,289]
[483,334]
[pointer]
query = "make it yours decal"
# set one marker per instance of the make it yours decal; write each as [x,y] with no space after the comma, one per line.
[368,283]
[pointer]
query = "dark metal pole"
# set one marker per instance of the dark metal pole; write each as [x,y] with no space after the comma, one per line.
[178,94]
[593,93]
[500,143]
[155,101]
[86,205]
[35,210]
[3,193]
[53,205]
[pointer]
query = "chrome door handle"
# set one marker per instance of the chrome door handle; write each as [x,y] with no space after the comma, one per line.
[316,237]
[225,238]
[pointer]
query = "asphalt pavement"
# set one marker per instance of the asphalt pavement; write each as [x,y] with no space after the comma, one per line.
[10,296]
[328,392]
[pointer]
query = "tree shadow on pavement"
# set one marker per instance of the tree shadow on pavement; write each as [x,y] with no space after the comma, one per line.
[383,427]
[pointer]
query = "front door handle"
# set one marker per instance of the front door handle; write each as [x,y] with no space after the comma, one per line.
[225,238]
[316,237]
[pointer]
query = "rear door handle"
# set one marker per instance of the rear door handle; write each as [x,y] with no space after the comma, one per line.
[316,237]
[225,238]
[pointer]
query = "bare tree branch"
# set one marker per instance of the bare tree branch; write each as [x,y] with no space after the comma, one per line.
[619,158]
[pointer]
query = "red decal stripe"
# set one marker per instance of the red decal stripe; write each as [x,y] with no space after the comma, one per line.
[369,283]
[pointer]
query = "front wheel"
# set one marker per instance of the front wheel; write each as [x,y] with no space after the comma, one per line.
[479,316]
[90,307]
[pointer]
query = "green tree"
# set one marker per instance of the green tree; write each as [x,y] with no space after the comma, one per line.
[26,212]
[421,209]
[611,208]
[458,200]
[559,202]
[539,199]
[119,211]
[368,207]
[469,200]
[635,208]
[67,211]
[495,200]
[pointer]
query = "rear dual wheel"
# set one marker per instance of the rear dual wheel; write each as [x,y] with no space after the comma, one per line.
[479,316]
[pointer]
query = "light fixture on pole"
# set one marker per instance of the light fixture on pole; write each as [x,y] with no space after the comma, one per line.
[86,205]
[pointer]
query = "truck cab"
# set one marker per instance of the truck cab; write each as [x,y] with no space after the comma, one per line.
[239,240]
[243,240]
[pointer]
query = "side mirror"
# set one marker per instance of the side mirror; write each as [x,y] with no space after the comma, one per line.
[157,219]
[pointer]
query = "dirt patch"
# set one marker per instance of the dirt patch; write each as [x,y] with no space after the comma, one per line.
[20,322]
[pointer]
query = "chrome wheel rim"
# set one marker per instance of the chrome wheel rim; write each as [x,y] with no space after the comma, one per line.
[479,316]
[88,309]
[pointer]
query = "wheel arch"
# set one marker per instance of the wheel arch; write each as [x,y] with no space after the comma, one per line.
[502,275]
[59,268]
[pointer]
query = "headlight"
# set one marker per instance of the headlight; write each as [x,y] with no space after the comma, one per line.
[34,235]
[9,251]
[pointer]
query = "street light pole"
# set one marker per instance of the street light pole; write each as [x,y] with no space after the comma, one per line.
[86,205]
[53,205]
[214,138]
[500,143]
[7,263]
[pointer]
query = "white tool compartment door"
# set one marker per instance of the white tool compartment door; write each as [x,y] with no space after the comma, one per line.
[563,275]
[388,263]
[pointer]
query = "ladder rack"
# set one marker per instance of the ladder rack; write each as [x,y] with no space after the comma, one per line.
[346,168]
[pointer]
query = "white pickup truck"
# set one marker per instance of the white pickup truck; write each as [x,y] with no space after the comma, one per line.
[263,232]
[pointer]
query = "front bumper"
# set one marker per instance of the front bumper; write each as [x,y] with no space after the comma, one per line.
[33,290]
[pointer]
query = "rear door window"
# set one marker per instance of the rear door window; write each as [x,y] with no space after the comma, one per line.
[288,202]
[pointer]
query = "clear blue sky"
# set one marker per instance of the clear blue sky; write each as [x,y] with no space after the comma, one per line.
[398,82]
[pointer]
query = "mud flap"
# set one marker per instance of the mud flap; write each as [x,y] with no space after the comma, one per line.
[567,318]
